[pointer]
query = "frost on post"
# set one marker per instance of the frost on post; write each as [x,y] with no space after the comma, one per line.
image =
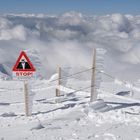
[99,67]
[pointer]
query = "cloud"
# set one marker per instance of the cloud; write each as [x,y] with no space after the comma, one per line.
[68,40]
[17,33]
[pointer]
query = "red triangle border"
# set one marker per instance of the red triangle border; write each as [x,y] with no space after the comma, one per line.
[28,60]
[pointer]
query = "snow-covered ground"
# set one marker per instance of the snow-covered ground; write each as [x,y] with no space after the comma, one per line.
[68,117]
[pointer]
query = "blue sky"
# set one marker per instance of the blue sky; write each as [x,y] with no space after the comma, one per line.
[60,6]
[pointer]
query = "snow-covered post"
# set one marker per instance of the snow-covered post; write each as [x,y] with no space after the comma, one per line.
[26,95]
[59,82]
[93,93]
[97,68]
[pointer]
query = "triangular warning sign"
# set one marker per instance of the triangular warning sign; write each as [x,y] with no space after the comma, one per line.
[23,63]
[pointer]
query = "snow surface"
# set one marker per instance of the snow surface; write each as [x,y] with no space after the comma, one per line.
[68,117]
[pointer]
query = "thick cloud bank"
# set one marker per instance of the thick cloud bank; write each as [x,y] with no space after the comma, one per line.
[68,40]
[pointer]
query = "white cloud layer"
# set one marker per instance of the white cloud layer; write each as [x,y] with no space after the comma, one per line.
[68,39]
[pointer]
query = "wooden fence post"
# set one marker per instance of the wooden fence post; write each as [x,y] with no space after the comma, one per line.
[59,82]
[26,95]
[93,96]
